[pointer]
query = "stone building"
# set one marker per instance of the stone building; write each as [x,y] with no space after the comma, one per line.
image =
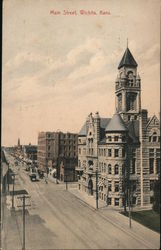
[123,152]
[58,150]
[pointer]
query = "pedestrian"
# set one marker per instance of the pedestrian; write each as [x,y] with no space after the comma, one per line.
[45,177]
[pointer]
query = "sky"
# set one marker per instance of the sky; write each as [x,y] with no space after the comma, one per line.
[59,68]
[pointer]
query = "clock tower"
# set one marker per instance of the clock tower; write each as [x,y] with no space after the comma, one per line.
[128,88]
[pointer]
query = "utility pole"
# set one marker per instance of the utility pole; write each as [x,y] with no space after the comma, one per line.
[8,178]
[129,203]
[66,182]
[23,206]
[96,189]
[13,190]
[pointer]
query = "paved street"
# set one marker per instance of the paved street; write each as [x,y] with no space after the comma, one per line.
[57,219]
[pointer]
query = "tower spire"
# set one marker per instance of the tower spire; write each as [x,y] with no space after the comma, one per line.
[127,42]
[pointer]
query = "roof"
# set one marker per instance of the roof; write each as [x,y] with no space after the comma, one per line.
[127,60]
[30,148]
[116,124]
[83,131]
[103,124]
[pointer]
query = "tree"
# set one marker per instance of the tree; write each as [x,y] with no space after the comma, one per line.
[156,196]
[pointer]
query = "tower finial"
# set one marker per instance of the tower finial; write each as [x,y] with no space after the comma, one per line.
[127,42]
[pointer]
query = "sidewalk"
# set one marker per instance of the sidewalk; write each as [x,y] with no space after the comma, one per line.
[11,231]
[137,231]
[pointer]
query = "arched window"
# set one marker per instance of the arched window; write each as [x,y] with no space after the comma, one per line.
[109,169]
[104,167]
[116,169]
[154,137]
[119,102]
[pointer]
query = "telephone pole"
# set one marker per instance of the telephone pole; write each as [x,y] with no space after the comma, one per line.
[23,198]
[129,203]
[13,190]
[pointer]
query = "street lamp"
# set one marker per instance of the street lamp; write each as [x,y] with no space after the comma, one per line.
[96,189]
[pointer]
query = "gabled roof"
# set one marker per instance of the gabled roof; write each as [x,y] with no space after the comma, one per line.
[116,124]
[154,121]
[127,60]
[103,124]
[83,131]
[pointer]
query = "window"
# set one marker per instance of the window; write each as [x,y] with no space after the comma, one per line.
[109,186]
[151,185]
[79,163]
[133,166]
[79,151]
[109,152]
[134,152]
[133,200]
[48,147]
[116,152]
[116,186]
[158,152]
[109,201]
[128,117]
[149,138]
[151,165]
[119,102]
[158,165]
[104,167]
[116,138]
[109,138]
[131,101]
[151,152]
[123,152]
[116,170]
[134,186]
[116,201]
[109,169]
[154,137]
[151,199]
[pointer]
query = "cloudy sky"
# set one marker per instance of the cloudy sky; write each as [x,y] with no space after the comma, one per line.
[57,69]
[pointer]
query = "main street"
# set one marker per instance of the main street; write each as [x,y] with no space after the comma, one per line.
[57,219]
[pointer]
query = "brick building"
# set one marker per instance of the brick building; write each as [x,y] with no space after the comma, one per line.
[58,150]
[119,156]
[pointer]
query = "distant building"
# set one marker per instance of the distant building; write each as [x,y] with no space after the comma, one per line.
[58,150]
[124,150]
[30,152]
[17,149]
